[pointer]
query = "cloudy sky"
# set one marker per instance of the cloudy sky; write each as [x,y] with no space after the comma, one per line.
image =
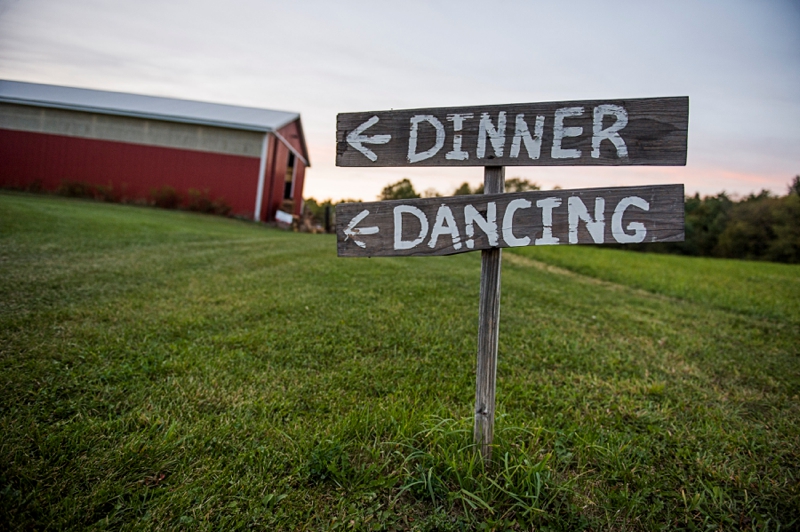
[738,61]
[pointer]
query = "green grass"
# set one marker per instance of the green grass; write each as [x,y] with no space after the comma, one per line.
[760,289]
[166,371]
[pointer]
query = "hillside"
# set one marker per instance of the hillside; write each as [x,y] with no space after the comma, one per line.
[166,370]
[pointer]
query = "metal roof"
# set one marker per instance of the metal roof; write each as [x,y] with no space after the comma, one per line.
[152,107]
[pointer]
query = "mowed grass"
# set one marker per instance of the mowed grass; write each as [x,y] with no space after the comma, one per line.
[759,289]
[166,371]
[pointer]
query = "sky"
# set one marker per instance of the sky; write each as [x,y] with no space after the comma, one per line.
[738,61]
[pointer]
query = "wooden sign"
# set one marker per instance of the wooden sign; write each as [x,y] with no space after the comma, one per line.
[643,131]
[444,226]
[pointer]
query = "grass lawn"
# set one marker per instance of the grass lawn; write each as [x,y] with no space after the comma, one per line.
[165,371]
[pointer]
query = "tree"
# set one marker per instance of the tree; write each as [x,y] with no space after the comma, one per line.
[463,190]
[706,219]
[758,227]
[518,184]
[403,189]
[316,209]
[515,184]
[794,186]
[763,227]
[749,228]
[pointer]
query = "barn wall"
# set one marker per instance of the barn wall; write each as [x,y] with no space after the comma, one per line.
[129,129]
[133,170]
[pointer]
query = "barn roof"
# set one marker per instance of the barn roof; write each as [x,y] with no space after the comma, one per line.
[152,107]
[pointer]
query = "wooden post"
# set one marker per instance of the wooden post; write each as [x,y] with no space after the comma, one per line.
[488,328]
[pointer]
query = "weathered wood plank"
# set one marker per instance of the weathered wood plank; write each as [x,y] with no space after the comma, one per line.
[444,226]
[488,330]
[642,131]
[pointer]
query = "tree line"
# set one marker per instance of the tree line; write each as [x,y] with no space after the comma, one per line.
[404,189]
[761,226]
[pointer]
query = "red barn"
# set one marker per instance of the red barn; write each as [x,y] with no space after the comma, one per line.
[253,160]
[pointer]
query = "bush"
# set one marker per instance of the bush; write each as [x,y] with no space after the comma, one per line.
[198,201]
[76,189]
[165,197]
[107,194]
[82,189]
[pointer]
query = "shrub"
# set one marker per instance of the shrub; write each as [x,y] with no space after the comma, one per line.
[82,189]
[166,197]
[76,189]
[198,201]
[107,194]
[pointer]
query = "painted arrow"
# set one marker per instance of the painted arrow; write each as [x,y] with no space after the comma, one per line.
[351,231]
[357,140]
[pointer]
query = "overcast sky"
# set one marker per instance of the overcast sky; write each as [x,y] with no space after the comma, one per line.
[739,63]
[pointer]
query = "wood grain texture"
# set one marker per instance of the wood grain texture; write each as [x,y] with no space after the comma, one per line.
[524,225]
[488,331]
[655,134]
